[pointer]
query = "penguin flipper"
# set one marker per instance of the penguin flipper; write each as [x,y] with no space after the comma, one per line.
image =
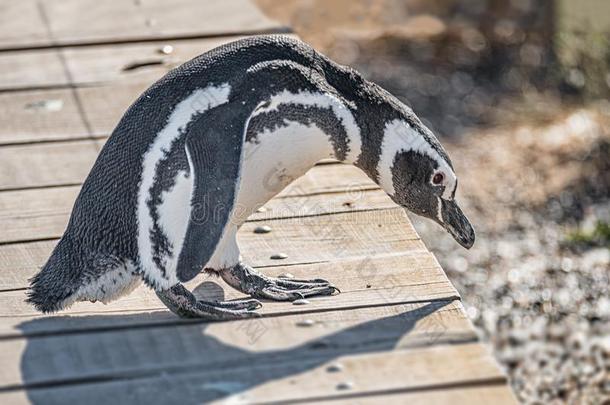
[214,149]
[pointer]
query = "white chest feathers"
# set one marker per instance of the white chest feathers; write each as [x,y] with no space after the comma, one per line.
[273,159]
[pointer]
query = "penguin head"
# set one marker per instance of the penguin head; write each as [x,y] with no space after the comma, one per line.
[417,174]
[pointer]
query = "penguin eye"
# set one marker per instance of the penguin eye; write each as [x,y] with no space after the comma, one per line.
[438,178]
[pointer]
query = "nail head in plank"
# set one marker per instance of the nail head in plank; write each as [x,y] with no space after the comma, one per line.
[26,214]
[118,63]
[21,261]
[402,278]
[42,213]
[60,359]
[284,379]
[474,393]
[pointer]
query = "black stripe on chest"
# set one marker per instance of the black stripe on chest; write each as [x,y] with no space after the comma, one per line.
[322,117]
[173,162]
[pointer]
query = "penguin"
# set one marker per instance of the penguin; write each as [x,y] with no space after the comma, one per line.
[211,142]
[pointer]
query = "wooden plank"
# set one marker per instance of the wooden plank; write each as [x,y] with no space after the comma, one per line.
[397,307]
[60,359]
[294,378]
[391,283]
[31,69]
[364,281]
[21,24]
[459,394]
[121,64]
[48,164]
[68,163]
[124,64]
[37,214]
[117,62]
[95,64]
[104,106]
[52,114]
[304,240]
[90,21]
[32,116]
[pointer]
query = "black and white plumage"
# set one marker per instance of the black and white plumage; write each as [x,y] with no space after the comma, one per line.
[211,142]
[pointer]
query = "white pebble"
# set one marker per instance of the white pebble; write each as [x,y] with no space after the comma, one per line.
[167,49]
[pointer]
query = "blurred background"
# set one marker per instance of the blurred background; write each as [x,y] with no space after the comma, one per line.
[517,91]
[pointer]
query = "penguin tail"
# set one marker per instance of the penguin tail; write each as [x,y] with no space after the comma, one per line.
[54,287]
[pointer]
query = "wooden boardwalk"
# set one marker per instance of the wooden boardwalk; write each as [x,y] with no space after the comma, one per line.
[397,333]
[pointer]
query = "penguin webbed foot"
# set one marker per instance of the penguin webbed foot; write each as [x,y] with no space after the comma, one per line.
[249,281]
[183,303]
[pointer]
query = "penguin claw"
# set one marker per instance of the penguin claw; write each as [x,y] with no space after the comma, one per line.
[250,304]
[282,293]
[214,312]
[184,304]
[247,280]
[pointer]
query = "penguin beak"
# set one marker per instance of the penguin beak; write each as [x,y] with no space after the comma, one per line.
[456,223]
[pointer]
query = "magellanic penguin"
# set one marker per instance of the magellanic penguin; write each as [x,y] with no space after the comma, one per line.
[211,142]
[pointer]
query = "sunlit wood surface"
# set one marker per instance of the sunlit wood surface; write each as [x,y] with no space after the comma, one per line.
[396,334]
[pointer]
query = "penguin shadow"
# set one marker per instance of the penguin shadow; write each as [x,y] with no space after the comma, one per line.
[183,362]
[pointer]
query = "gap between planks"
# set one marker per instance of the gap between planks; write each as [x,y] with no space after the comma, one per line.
[106,68]
[38,216]
[78,22]
[79,74]
[365,282]
[265,378]
[303,239]
[69,162]
[64,358]
[481,391]
[145,40]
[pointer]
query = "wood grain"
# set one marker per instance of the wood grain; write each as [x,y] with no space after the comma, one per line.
[46,164]
[42,213]
[118,63]
[37,214]
[70,68]
[67,163]
[32,24]
[31,70]
[22,24]
[40,115]
[383,279]
[90,21]
[28,119]
[459,394]
[288,378]
[103,106]
[229,344]
[303,239]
